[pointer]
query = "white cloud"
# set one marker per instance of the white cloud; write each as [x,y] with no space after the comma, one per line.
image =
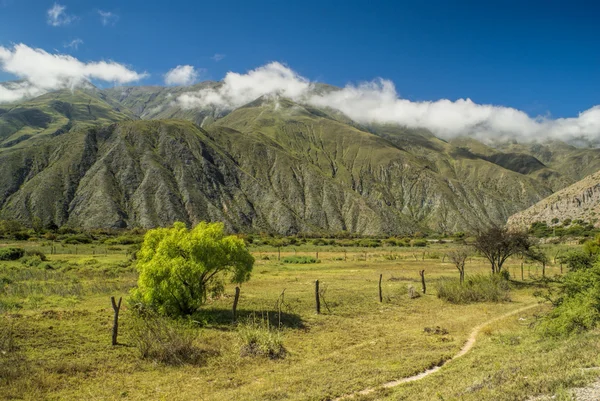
[182,75]
[57,15]
[42,71]
[378,102]
[74,44]
[15,91]
[108,18]
[239,89]
[218,57]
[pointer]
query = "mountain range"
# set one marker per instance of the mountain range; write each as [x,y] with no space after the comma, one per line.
[133,157]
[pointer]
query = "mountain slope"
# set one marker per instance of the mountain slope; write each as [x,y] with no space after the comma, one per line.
[580,201]
[55,113]
[84,158]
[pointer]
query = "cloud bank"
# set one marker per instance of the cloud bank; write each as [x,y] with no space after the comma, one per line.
[181,75]
[378,102]
[41,72]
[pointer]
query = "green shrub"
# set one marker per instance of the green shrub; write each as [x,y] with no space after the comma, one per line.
[77,239]
[11,253]
[87,262]
[35,252]
[418,243]
[577,306]
[259,339]
[124,240]
[369,243]
[31,261]
[477,288]
[300,259]
[578,260]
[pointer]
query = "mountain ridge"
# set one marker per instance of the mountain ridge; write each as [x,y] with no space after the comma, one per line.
[319,170]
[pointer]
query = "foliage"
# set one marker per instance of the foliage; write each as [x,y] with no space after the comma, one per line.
[180,267]
[577,304]
[300,259]
[259,339]
[78,239]
[578,260]
[477,288]
[124,240]
[497,244]
[418,243]
[11,253]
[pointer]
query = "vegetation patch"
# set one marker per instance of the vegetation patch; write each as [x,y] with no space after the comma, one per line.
[300,259]
[167,341]
[11,253]
[476,288]
[259,339]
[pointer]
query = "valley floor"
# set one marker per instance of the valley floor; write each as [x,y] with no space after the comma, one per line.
[61,322]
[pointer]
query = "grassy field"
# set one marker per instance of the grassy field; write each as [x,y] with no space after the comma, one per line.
[60,321]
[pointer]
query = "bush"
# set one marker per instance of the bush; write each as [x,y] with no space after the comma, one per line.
[35,252]
[87,262]
[165,341]
[11,253]
[369,243]
[300,259]
[124,240]
[477,288]
[258,339]
[577,306]
[31,261]
[77,239]
[578,260]
[418,243]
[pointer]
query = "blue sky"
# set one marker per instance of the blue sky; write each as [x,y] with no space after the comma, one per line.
[539,57]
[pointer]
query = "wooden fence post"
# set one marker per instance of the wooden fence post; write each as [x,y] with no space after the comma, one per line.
[235,303]
[522,277]
[116,308]
[380,294]
[317,299]
[422,274]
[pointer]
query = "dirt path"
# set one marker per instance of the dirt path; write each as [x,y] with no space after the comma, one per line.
[465,348]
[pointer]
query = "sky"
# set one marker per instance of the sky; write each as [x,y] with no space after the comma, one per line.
[540,58]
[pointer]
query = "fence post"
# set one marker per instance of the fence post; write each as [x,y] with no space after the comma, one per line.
[522,277]
[380,294]
[278,253]
[317,299]
[235,302]
[116,308]
[422,274]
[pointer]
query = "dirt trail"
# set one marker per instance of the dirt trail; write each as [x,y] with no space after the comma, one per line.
[465,348]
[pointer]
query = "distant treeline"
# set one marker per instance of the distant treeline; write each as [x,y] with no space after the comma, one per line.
[565,228]
[13,230]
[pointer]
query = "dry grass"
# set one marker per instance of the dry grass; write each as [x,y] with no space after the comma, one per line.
[355,343]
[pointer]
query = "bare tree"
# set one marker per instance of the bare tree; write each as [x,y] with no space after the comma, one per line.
[498,244]
[458,257]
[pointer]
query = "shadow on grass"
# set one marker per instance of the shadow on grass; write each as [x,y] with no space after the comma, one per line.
[222,319]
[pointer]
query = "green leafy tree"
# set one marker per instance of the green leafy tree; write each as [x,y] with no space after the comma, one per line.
[180,267]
